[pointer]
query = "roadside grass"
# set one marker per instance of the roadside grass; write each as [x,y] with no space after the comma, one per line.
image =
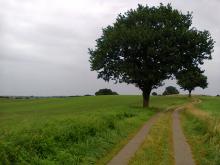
[210,104]
[79,130]
[202,129]
[157,149]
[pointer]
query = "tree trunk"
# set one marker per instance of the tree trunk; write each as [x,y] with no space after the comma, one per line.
[190,93]
[146,98]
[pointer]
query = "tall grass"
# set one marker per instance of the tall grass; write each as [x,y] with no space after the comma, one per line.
[74,141]
[72,130]
[210,104]
[203,133]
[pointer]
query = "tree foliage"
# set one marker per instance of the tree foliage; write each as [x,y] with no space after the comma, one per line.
[154,94]
[105,92]
[148,45]
[170,90]
[190,79]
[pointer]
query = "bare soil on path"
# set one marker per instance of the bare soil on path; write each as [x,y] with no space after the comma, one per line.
[128,151]
[182,152]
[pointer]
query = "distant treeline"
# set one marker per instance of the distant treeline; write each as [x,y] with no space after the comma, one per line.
[39,97]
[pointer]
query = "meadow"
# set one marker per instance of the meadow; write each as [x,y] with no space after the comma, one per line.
[201,124]
[74,130]
[210,105]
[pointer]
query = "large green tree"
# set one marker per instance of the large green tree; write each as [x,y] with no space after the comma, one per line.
[190,79]
[148,45]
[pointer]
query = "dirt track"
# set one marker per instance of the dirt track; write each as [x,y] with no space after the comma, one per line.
[123,157]
[182,152]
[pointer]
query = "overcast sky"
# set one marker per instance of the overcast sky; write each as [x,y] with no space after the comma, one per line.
[44,44]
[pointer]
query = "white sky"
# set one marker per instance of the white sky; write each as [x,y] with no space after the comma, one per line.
[44,44]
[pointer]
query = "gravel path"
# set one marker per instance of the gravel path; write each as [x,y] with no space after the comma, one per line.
[125,154]
[182,152]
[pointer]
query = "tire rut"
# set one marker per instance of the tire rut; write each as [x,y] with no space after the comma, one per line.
[182,151]
[128,151]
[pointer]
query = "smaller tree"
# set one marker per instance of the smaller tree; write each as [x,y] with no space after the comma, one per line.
[105,92]
[170,90]
[154,94]
[190,79]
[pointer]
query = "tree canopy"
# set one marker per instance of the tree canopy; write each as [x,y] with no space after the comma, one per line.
[190,79]
[105,91]
[154,93]
[148,45]
[170,90]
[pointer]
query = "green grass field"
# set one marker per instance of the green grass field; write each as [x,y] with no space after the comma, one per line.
[203,131]
[77,130]
[210,105]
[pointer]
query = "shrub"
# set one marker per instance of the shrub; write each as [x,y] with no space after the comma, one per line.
[154,93]
[170,90]
[105,92]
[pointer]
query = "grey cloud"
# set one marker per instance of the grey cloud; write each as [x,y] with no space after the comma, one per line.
[44,44]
